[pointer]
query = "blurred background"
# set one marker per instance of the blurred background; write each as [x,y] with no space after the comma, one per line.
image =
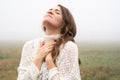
[98,34]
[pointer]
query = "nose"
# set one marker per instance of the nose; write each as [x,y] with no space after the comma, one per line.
[51,11]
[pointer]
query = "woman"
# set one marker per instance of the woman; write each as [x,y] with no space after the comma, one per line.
[55,55]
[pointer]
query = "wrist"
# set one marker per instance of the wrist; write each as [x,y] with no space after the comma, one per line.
[38,62]
[39,58]
[50,64]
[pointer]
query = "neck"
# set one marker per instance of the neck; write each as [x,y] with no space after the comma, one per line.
[52,32]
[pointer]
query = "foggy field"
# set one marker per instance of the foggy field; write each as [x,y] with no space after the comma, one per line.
[100,61]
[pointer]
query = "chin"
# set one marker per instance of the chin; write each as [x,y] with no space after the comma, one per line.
[47,19]
[47,22]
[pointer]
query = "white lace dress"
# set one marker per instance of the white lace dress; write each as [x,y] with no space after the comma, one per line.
[67,63]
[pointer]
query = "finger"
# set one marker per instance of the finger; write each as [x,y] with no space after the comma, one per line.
[50,43]
[49,46]
[49,50]
[42,43]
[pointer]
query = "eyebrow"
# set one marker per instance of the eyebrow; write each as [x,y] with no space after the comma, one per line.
[55,9]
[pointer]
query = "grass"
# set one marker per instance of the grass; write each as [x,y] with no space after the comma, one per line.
[9,60]
[100,61]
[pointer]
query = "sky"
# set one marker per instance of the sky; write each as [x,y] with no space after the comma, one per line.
[96,20]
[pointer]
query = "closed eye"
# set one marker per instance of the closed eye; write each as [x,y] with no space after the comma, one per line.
[57,11]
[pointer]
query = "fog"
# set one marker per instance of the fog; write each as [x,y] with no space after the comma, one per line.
[96,20]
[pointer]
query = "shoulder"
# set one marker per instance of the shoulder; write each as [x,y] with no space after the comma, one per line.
[31,43]
[69,50]
[70,45]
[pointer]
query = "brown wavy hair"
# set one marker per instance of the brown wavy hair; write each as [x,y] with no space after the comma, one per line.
[68,31]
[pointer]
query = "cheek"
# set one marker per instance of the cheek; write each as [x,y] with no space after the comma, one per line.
[58,21]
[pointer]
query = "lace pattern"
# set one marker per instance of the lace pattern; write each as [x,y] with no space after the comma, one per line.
[67,64]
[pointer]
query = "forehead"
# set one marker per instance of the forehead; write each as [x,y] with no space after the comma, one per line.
[56,7]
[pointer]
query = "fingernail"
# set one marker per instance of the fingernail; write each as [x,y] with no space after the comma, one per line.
[55,40]
[43,42]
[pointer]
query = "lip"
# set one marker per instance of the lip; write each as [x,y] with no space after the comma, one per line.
[49,15]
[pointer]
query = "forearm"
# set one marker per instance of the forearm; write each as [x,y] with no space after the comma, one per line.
[50,64]
[38,62]
[29,72]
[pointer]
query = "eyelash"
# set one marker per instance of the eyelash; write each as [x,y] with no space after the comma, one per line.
[57,13]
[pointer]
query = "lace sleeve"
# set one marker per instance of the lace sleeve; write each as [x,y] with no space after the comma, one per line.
[27,69]
[68,67]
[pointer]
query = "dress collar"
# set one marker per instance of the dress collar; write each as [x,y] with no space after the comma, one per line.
[51,37]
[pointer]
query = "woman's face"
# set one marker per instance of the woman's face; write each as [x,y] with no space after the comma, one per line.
[53,17]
